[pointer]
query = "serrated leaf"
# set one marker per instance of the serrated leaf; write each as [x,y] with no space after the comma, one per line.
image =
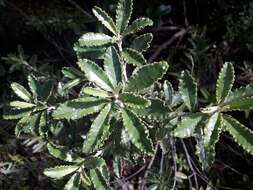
[187,126]
[10,114]
[93,53]
[105,19]
[98,180]
[241,134]
[137,25]
[40,91]
[71,73]
[133,57]
[85,179]
[96,130]
[95,39]
[225,82]
[71,84]
[95,74]
[43,125]
[168,92]
[63,153]
[73,183]
[133,100]
[142,42]
[188,90]
[95,92]
[21,92]
[94,162]
[60,171]
[212,132]
[123,14]
[212,123]
[146,75]
[240,104]
[156,111]
[136,131]
[19,104]
[113,66]
[237,94]
[78,108]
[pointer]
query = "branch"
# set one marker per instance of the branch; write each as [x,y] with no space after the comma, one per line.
[177,35]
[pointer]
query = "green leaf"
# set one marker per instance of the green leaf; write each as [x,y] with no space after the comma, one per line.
[138,25]
[224,82]
[112,66]
[212,123]
[71,73]
[188,90]
[73,183]
[187,126]
[242,92]
[71,84]
[211,136]
[241,134]
[21,92]
[123,14]
[145,76]
[63,153]
[94,162]
[133,57]
[156,111]
[96,130]
[85,180]
[43,125]
[95,39]
[98,180]
[78,108]
[10,114]
[105,19]
[96,92]
[95,74]
[93,53]
[142,42]
[40,91]
[240,104]
[19,104]
[60,171]
[168,92]
[133,100]
[136,131]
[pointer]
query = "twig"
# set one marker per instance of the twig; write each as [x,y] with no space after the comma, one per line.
[165,28]
[188,158]
[185,14]
[80,9]
[174,154]
[149,167]
[181,33]
[136,173]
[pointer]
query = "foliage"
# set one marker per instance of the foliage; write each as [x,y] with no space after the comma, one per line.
[125,112]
